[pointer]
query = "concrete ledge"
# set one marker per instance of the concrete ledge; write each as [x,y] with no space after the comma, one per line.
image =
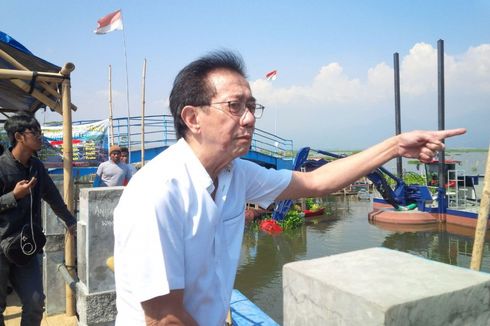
[379,286]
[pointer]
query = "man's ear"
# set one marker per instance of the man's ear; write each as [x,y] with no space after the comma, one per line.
[190,116]
[18,136]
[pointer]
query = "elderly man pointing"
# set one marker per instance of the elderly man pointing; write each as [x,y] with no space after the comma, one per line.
[179,224]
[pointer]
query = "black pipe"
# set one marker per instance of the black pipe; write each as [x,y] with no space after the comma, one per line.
[398,128]
[441,126]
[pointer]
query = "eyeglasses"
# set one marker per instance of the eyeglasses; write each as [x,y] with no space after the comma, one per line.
[238,108]
[36,133]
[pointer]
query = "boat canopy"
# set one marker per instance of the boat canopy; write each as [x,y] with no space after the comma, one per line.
[28,82]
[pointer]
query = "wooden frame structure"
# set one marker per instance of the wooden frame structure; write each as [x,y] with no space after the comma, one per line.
[28,84]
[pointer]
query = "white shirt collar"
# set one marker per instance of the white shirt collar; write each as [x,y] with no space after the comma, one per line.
[200,176]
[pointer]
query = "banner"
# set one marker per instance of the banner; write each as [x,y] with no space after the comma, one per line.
[90,143]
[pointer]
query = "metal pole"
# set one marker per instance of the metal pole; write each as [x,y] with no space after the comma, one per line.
[68,179]
[143,115]
[440,105]
[398,128]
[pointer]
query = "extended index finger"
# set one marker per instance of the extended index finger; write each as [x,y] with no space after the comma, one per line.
[442,134]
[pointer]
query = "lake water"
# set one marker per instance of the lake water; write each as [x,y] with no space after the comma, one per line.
[346,228]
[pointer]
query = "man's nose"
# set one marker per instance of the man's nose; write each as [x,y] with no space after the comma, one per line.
[248,118]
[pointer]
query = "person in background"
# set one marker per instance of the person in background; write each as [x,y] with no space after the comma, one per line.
[125,159]
[23,183]
[179,224]
[112,172]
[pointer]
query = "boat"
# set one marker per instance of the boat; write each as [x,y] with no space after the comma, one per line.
[245,313]
[314,212]
[459,204]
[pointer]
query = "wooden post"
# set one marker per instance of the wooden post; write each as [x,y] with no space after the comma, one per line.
[68,180]
[111,122]
[481,224]
[143,116]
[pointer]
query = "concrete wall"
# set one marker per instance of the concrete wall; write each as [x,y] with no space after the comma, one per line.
[54,254]
[96,295]
[379,286]
[95,243]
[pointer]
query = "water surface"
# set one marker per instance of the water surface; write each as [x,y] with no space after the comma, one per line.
[345,228]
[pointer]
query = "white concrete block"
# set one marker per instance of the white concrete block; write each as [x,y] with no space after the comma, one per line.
[379,286]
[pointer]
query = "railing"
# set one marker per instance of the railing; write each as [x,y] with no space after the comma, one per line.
[159,131]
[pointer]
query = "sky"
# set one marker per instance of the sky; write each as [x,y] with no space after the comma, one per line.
[335,84]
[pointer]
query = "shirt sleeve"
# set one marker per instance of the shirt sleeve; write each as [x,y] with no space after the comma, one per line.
[99,169]
[264,185]
[149,241]
[7,201]
[52,196]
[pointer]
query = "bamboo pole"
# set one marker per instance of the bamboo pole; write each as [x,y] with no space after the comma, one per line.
[18,78]
[52,90]
[68,181]
[37,95]
[143,115]
[28,75]
[481,224]
[111,122]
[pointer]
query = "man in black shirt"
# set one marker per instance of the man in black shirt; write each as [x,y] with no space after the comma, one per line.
[23,183]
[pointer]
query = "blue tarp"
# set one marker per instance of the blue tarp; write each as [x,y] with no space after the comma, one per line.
[12,98]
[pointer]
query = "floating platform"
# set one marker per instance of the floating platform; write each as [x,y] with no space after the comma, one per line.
[385,213]
[390,215]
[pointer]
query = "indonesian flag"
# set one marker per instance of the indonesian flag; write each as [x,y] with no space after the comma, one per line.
[271,75]
[109,23]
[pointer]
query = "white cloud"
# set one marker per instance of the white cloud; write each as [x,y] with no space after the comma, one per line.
[471,72]
[418,71]
[356,111]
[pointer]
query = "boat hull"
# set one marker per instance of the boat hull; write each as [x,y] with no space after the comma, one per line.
[312,213]
[385,213]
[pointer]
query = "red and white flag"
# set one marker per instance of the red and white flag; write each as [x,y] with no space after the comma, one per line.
[110,23]
[271,75]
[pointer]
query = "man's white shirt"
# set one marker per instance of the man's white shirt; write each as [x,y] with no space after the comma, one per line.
[171,234]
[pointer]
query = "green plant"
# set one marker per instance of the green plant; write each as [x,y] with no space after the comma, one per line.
[309,202]
[409,178]
[292,220]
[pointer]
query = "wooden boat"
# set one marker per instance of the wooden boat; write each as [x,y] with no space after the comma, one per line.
[316,212]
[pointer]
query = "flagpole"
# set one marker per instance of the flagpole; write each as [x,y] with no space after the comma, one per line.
[143,115]
[111,122]
[275,120]
[272,75]
[127,96]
